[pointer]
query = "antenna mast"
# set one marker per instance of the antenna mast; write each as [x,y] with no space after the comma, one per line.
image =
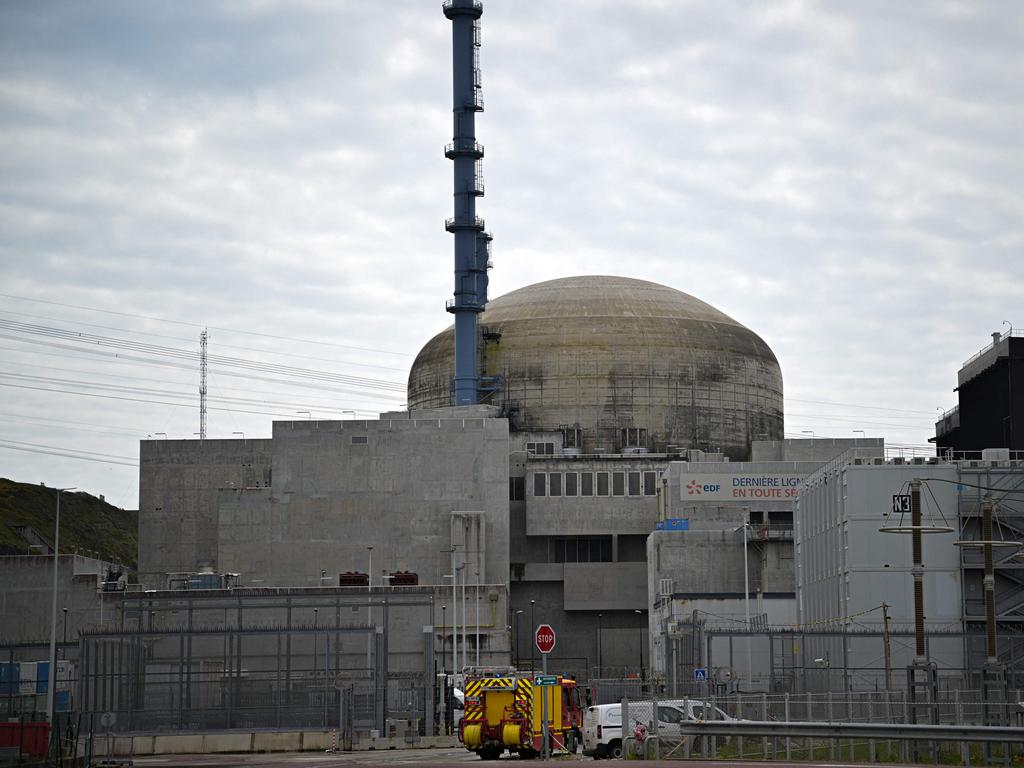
[202,385]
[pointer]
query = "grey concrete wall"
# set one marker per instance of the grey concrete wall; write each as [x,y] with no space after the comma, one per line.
[26,594]
[605,586]
[590,515]
[336,488]
[341,487]
[587,640]
[179,483]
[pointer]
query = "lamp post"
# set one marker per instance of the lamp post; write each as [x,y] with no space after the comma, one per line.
[641,627]
[861,436]
[369,604]
[51,687]
[64,645]
[533,628]
[455,617]
[465,617]
[515,636]
[239,433]
[315,611]
[600,660]
[443,609]
[746,595]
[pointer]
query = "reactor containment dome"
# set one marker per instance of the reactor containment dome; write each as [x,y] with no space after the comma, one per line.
[619,366]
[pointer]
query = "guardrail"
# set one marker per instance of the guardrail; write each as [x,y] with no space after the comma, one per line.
[911,736]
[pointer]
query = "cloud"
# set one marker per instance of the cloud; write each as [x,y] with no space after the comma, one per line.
[843,179]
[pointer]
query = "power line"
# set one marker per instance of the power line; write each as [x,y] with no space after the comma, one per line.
[171,364]
[289,354]
[64,453]
[188,354]
[202,325]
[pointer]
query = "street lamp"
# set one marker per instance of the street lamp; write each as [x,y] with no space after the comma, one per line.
[308,415]
[443,609]
[861,436]
[239,433]
[369,604]
[807,432]
[533,628]
[455,616]
[641,626]
[746,590]
[515,637]
[64,645]
[51,688]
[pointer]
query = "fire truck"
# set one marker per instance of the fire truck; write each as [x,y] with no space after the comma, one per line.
[505,711]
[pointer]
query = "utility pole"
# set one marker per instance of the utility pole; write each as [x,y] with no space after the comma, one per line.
[887,646]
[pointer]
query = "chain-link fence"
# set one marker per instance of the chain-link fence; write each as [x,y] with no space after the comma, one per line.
[653,727]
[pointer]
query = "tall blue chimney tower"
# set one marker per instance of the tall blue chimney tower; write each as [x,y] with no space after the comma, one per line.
[472,243]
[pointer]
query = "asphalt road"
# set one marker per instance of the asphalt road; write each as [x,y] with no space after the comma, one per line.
[433,757]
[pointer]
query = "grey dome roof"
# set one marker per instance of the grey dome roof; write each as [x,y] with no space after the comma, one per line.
[610,352]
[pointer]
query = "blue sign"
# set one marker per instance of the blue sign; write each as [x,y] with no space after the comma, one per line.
[673,524]
[700,674]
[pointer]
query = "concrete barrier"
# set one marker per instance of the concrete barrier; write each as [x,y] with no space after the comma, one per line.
[281,741]
[250,741]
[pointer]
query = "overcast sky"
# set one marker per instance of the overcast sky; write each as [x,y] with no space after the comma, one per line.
[843,178]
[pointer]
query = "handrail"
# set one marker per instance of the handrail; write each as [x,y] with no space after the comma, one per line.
[1013,332]
[835,730]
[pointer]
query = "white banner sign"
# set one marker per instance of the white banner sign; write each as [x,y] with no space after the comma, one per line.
[715,487]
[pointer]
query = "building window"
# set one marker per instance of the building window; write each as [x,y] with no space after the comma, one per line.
[555,484]
[571,484]
[634,483]
[572,437]
[516,488]
[540,449]
[358,439]
[633,437]
[587,484]
[618,483]
[602,483]
[540,484]
[582,549]
[650,483]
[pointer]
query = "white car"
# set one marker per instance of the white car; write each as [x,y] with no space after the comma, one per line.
[602,724]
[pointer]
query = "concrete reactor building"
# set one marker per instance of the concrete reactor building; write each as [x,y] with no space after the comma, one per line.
[616,365]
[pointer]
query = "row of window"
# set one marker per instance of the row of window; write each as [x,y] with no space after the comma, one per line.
[595,483]
[581,549]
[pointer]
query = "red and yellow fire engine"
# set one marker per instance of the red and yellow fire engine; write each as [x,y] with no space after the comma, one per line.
[506,712]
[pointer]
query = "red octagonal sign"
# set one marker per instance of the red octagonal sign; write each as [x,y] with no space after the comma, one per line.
[544,637]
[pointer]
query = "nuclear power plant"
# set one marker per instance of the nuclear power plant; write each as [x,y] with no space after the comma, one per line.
[601,454]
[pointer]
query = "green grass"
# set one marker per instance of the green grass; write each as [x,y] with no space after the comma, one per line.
[87,525]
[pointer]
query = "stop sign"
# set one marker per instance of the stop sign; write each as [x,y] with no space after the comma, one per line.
[544,637]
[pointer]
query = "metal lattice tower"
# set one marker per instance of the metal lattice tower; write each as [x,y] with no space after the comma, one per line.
[472,243]
[202,385]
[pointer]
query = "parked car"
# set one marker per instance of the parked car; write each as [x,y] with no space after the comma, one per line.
[602,723]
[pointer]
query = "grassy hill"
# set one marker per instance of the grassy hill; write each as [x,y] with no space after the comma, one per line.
[88,525]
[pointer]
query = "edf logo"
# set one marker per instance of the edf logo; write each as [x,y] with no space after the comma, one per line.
[694,488]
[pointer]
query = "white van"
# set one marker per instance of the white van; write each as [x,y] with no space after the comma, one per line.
[602,724]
